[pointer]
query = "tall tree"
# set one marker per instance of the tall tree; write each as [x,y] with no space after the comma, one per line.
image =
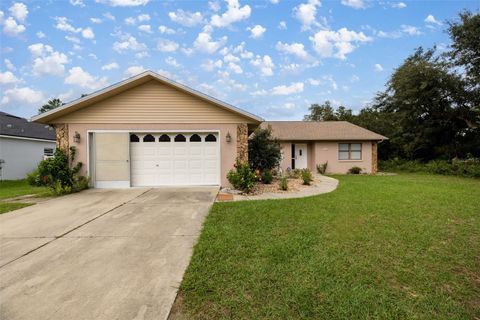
[320,112]
[50,105]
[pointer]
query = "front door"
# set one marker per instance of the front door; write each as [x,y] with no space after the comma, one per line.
[300,156]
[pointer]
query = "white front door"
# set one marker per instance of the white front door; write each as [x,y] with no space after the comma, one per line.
[300,156]
[164,159]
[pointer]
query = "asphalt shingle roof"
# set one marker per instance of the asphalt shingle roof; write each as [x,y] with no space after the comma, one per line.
[320,130]
[11,125]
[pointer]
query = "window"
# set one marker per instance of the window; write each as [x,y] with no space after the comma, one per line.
[164,138]
[195,138]
[180,138]
[134,138]
[148,138]
[350,151]
[48,152]
[210,138]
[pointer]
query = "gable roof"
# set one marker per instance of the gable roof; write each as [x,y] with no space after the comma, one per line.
[320,130]
[131,83]
[14,126]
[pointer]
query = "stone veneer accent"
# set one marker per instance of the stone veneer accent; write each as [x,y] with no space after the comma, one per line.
[242,142]
[374,158]
[61,131]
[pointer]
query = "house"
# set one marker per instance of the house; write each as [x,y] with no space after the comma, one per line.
[341,144]
[23,145]
[151,131]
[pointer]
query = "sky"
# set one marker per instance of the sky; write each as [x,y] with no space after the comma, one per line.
[270,57]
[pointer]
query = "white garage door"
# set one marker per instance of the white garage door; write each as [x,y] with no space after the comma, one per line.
[165,159]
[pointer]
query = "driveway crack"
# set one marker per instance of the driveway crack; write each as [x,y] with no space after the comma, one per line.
[71,230]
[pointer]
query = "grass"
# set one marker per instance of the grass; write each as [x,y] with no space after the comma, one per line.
[10,206]
[379,247]
[16,188]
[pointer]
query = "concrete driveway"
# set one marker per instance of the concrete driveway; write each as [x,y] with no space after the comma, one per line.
[99,254]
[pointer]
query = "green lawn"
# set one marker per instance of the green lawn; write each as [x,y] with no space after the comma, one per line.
[15,188]
[379,247]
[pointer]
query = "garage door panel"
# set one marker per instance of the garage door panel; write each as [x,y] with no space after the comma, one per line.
[175,162]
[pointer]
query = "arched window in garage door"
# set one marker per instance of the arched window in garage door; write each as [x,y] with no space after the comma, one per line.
[195,138]
[210,138]
[149,138]
[180,138]
[134,138]
[164,138]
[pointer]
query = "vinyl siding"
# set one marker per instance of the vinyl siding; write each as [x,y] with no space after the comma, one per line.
[153,102]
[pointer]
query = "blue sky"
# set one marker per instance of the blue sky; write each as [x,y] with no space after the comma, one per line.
[273,57]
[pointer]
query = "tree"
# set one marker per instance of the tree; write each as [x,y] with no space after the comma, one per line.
[321,112]
[50,105]
[264,151]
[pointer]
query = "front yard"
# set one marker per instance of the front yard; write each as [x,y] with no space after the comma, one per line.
[385,247]
[16,188]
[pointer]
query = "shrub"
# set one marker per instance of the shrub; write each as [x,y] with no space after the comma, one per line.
[267,176]
[355,170]
[264,151]
[283,183]
[455,167]
[242,177]
[322,168]
[306,176]
[59,174]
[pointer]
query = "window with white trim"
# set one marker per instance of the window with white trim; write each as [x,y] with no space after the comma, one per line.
[349,151]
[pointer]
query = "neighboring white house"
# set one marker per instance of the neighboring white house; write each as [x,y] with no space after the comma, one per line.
[23,145]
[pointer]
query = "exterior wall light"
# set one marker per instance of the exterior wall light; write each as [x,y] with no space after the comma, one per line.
[228,137]
[76,137]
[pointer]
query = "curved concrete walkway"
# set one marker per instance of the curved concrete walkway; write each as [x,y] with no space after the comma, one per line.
[321,184]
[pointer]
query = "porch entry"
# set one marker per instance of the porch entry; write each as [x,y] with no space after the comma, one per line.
[299,156]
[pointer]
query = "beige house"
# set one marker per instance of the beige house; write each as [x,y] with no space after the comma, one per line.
[151,131]
[341,144]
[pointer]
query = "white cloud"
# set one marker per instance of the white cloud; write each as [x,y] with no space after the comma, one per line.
[22,95]
[399,5]
[143,17]
[8,77]
[78,3]
[142,54]
[235,68]
[166,30]
[133,71]
[354,78]
[130,21]
[411,30]
[231,58]
[233,14]
[145,28]
[378,67]
[96,20]
[214,5]
[186,18]
[110,66]
[265,65]
[87,33]
[10,66]
[40,35]
[128,42]
[282,25]
[259,93]
[19,11]
[211,65]
[205,43]
[62,24]
[47,60]
[77,76]
[306,13]
[296,49]
[124,3]
[12,28]
[356,4]
[329,43]
[72,39]
[109,16]
[431,19]
[66,96]
[165,45]
[314,82]
[257,31]
[171,61]
[283,90]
